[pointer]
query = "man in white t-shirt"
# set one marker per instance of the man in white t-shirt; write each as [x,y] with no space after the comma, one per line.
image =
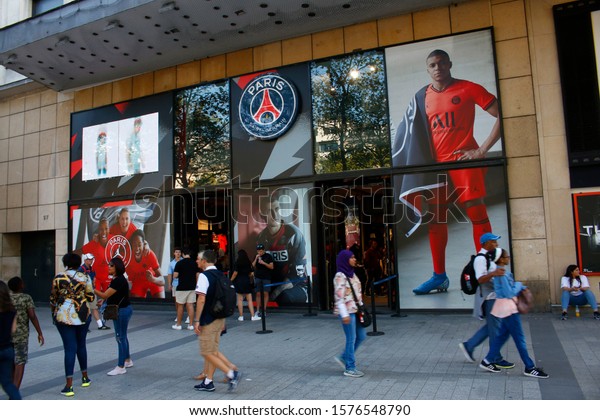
[208,328]
[485,270]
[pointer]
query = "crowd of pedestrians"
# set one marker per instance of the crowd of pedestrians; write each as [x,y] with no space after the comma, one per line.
[73,290]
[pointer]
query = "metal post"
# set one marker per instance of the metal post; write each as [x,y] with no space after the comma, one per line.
[262,311]
[309,290]
[373,313]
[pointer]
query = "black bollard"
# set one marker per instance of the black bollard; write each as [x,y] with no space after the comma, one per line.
[262,311]
[374,314]
[309,290]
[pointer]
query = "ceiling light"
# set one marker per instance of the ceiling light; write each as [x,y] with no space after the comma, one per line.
[62,41]
[167,7]
[111,25]
[11,59]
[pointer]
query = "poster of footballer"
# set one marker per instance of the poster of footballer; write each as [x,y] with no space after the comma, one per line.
[278,218]
[444,110]
[136,231]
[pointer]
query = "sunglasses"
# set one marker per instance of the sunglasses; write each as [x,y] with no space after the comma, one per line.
[111,265]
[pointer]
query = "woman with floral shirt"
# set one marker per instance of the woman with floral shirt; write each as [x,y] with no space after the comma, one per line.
[71,290]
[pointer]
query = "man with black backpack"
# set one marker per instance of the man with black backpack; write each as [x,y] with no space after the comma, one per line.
[209,321]
[485,270]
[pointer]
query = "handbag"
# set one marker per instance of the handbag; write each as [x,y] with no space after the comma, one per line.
[362,315]
[525,301]
[112,311]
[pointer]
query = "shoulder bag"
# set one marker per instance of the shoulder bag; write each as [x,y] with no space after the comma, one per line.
[112,311]
[525,301]
[363,317]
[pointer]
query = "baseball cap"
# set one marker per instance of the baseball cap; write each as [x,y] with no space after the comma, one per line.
[260,246]
[488,237]
[88,256]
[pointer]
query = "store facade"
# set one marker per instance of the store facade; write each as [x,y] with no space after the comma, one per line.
[311,145]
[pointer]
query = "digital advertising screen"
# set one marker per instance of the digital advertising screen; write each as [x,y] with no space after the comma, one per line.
[120,149]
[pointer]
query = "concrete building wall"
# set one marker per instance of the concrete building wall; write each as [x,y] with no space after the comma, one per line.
[34,128]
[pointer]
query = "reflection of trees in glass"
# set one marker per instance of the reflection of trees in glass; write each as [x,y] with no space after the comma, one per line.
[202,142]
[350,120]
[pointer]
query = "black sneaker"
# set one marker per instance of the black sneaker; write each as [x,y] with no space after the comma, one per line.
[104,327]
[67,391]
[536,373]
[466,352]
[85,382]
[235,381]
[503,364]
[596,315]
[564,316]
[489,366]
[204,387]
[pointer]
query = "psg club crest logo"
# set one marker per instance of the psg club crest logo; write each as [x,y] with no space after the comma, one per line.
[118,246]
[268,106]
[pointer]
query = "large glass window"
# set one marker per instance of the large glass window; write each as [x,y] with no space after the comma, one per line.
[202,136]
[350,113]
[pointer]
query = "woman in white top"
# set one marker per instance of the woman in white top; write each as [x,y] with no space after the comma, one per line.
[576,291]
[345,307]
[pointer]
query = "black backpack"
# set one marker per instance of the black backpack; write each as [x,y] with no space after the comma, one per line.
[468,279]
[224,301]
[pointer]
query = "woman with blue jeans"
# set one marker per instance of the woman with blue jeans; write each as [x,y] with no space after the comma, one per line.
[345,307]
[505,308]
[118,294]
[71,291]
[576,291]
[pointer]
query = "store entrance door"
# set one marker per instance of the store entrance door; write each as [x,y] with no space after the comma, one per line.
[37,263]
[358,218]
[203,222]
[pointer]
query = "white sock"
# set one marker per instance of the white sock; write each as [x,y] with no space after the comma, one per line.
[207,381]
[99,322]
[230,374]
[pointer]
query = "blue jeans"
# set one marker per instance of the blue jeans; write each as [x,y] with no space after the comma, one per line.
[488,330]
[510,325]
[355,335]
[587,298]
[7,359]
[73,338]
[120,325]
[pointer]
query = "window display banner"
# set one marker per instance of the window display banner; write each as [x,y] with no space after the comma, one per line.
[454,216]
[444,110]
[270,124]
[586,207]
[119,149]
[138,231]
[278,218]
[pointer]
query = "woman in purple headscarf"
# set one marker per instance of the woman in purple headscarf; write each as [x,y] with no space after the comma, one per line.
[345,307]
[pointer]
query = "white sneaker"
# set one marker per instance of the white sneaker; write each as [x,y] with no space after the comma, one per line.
[255,317]
[175,320]
[190,327]
[128,364]
[240,318]
[176,327]
[187,320]
[117,371]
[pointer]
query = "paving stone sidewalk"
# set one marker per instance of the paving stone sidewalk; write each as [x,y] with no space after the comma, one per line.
[416,359]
